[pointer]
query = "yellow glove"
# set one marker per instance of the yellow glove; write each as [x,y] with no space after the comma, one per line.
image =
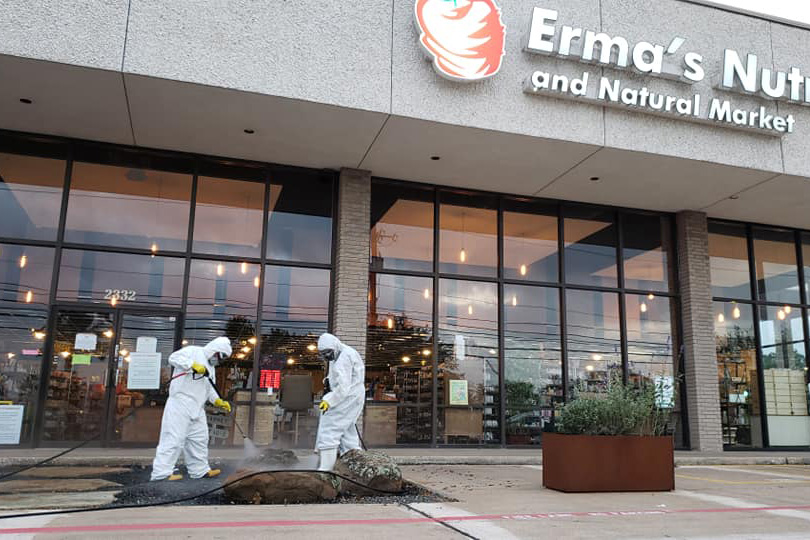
[198,369]
[222,404]
[324,406]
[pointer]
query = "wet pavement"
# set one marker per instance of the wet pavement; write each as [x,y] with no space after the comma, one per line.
[756,502]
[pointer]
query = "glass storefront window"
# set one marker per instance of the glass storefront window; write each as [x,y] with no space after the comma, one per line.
[401,228]
[776,267]
[128,207]
[120,279]
[299,222]
[26,276]
[647,252]
[30,196]
[532,361]
[590,247]
[593,341]
[399,359]
[468,239]
[728,259]
[784,374]
[228,217]
[222,301]
[295,312]
[468,387]
[737,374]
[530,241]
[650,333]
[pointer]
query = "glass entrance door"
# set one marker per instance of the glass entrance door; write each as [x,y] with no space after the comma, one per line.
[104,364]
[76,403]
[142,376]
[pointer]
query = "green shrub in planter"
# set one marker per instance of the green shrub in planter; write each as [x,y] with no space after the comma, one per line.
[625,409]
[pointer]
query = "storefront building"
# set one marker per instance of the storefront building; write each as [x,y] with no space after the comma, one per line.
[602,190]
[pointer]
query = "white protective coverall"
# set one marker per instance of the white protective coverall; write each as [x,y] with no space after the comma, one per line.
[346,398]
[184,427]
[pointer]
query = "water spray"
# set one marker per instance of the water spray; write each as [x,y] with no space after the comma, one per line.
[251,450]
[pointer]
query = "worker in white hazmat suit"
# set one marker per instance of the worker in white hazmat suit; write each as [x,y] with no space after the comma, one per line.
[342,405]
[184,427]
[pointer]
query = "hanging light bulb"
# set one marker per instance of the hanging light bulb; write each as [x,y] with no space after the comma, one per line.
[220,270]
[108,333]
[522,269]
[252,341]
[406,359]
[651,296]
[113,301]
[514,300]
[124,352]
[244,268]
[23,261]
[787,309]
[64,354]
[596,357]
[463,255]
[721,318]
[154,248]
[735,312]
[311,347]
[39,334]
[290,361]
[246,349]
[469,309]
[29,296]
[426,294]
[425,352]
[184,342]
[390,323]
[643,307]
[781,314]
[256,282]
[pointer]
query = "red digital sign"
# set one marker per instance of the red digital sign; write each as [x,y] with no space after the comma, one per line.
[270,378]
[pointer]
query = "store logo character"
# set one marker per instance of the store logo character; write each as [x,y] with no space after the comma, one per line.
[465,38]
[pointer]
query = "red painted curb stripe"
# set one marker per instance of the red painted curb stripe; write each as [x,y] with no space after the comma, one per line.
[384,521]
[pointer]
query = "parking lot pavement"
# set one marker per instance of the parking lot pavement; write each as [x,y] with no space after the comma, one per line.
[502,502]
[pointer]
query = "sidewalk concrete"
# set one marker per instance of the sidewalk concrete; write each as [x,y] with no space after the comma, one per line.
[403,456]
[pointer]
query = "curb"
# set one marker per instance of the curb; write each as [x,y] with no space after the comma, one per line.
[680,461]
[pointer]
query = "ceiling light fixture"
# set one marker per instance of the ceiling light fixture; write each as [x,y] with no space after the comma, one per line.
[594,178]
[249,131]
[435,158]
[26,101]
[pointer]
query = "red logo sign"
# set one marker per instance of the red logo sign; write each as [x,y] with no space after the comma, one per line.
[465,38]
[270,378]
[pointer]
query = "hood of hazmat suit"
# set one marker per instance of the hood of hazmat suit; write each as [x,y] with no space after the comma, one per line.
[184,427]
[346,398]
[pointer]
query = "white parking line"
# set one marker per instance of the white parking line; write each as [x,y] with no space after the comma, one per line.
[477,529]
[748,471]
[739,503]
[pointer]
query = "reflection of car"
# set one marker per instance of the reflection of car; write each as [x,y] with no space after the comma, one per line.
[524,427]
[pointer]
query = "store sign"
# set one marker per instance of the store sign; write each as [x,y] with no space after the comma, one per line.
[659,60]
[143,372]
[11,417]
[464,38]
[465,41]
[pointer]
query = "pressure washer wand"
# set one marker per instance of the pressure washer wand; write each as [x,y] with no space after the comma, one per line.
[216,391]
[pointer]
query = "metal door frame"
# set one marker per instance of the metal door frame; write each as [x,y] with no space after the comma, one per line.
[117,313]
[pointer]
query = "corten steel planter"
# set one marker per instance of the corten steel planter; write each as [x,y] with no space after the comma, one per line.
[583,463]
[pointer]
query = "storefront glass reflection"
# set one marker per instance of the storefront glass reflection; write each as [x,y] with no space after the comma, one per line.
[228,217]
[647,252]
[128,207]
[590,247]
[593,341]
[25,274]
[399,359]
[728,256]
[775,262]
[401,228]
[120,279]
[784,375]
[532,361]
[299,221]
[468,387]
[468,239]
[530,241]
[294,314]
[30,196]
[737,374]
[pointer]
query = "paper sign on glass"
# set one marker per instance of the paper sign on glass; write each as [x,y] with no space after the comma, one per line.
[85,342]
[143,372]
[146,344]
[81,359]
[11,417]
[664,392]
[458,392]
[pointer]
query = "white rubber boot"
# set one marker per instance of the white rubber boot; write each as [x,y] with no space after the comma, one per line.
[328,459]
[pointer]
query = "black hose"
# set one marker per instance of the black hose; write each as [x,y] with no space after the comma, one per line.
[192,497]
[71,449]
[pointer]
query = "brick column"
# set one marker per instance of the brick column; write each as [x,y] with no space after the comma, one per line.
[700,362]
[351,258]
